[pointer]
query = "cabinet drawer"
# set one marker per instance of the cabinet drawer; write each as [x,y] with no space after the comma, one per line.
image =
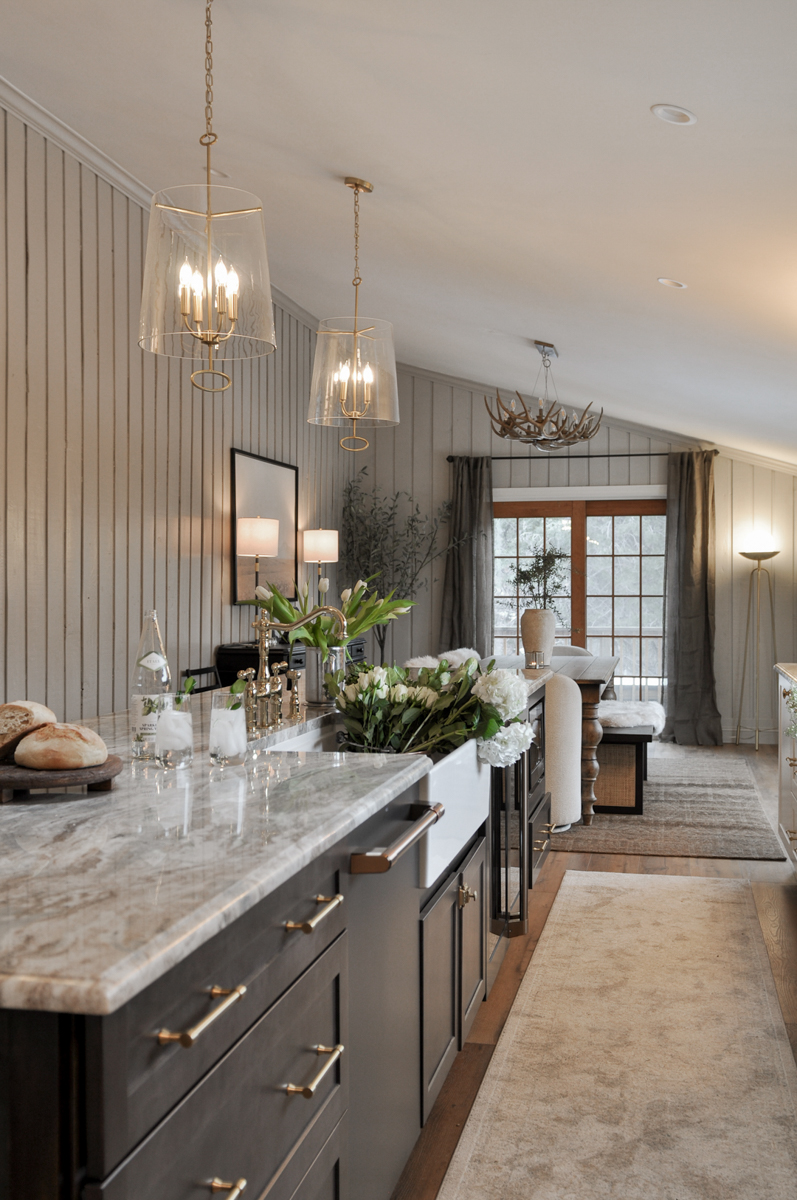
[327,1178]
[240,1122]
[132,1079]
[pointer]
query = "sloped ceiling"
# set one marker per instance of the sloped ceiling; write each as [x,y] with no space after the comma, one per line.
[523,189]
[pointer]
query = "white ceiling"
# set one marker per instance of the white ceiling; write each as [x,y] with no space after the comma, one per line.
[522,187]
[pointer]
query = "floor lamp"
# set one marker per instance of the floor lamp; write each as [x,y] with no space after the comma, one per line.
[758,556]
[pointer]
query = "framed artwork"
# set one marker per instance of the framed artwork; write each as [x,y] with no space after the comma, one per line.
[264,488]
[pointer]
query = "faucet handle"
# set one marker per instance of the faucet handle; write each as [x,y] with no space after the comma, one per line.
[248,674]
[277,668]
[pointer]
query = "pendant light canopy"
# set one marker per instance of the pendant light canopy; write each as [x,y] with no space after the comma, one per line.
[207,292]
[354,371]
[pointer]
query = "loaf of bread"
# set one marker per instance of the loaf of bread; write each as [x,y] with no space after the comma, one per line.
[61,748]
[19,718]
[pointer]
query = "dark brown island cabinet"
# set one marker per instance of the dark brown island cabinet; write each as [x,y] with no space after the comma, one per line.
[293,1056]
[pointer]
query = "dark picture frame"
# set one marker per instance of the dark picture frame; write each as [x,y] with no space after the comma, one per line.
[263,487]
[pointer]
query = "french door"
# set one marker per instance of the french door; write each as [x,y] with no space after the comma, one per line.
[612,597]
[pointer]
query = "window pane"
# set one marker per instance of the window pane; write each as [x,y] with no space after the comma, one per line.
[599,576]
[626,614]
[563,611]
[653,576]
[651,656]
[504,535]
[599,615]
[531,531]
[505,617]
[601,647]
[626,576]
[503,580]
[654,531]
[599,535]
[557,533]
[652,613]
[628,649]
[626,535]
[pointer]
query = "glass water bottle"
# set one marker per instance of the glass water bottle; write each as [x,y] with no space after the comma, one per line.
[151,678]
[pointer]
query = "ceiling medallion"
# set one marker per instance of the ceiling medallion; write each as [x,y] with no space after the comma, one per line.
[354,370]
[207,292]
[549,429]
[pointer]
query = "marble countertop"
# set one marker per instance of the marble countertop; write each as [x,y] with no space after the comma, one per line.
[787,669]
[102,893]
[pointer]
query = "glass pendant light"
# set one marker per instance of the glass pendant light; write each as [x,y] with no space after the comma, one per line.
[354,371]
[206,283]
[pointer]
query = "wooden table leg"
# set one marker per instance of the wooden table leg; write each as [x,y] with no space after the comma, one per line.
[591,734]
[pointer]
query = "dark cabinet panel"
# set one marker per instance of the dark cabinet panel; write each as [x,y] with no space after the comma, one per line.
[440,991]
[539,832]
[240,1122]
[327,1179]
[473,936]
[132,1080]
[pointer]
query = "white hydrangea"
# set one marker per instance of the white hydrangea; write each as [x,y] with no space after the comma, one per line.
[505,690]
[507,745]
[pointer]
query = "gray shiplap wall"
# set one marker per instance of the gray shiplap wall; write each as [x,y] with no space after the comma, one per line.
[440,416]
[114,470]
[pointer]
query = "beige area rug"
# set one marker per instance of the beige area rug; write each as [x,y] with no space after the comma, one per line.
[696,806]
[645,1056]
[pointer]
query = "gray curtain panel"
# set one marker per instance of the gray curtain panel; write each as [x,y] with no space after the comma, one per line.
[693,718]
[467,617]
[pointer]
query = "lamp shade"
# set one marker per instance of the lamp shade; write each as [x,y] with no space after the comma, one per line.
[178,235]
[321,545]
[257,536]
[351,383]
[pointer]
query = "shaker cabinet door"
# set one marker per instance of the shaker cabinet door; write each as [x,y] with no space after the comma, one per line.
[439,990]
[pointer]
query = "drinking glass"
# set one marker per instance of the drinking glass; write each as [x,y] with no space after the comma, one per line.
[174,735]
[227,729]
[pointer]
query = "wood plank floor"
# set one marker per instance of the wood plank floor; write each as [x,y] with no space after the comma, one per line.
[774,888]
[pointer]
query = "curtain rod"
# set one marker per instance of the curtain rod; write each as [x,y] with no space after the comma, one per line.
[571,457]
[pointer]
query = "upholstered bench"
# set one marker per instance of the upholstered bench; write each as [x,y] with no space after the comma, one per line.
[628,727]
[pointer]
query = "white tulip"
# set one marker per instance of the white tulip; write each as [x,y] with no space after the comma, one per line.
[345,596]
[323,586]
[359,585]
[402,610]
[262,593]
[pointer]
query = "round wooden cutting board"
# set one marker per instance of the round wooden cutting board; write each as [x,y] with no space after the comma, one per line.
[14,780]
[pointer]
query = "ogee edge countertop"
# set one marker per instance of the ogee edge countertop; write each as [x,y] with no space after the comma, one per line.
[102,894]
[787,669]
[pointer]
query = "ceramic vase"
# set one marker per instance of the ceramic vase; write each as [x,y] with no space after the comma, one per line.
[538,631]
[317,667]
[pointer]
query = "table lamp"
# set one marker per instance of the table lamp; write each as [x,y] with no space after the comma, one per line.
[320,546]
[257,537]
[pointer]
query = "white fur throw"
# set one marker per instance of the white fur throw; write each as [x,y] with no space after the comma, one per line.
[627,714]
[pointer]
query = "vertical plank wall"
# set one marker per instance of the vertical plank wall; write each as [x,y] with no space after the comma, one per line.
[441,417]
[115,471]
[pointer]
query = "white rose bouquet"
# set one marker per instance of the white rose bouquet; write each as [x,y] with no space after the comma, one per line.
[383,709]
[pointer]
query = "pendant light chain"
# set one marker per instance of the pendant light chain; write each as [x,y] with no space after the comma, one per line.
[356,281]
[209,73]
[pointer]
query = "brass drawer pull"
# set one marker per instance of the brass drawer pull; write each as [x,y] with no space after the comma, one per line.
[330,903]
[465,894]
[234,1189]
[786,693]
[544,846]
[308,1090]
[376,862]
[791,834]
[189,1036]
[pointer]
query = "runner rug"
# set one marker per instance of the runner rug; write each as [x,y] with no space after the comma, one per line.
[695,807]
[645,1056]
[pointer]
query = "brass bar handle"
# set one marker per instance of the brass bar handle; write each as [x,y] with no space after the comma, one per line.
[376,862]
[308,1090]
[544,846]
[791,834]
[189,1036]
[330,903]
[233,1189]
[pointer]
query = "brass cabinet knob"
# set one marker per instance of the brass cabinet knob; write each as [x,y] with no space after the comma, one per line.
[330,904]
[308,1089]
[466,894]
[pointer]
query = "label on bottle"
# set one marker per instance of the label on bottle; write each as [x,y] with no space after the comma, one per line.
[152,661]
[143,718]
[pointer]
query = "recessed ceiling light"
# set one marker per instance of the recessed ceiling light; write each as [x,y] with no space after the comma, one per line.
[672,282]
[673,115]
[220,174]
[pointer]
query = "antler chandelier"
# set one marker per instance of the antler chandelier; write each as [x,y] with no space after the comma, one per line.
[548,429]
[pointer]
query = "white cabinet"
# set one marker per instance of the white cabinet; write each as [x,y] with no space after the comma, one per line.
[787,762]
